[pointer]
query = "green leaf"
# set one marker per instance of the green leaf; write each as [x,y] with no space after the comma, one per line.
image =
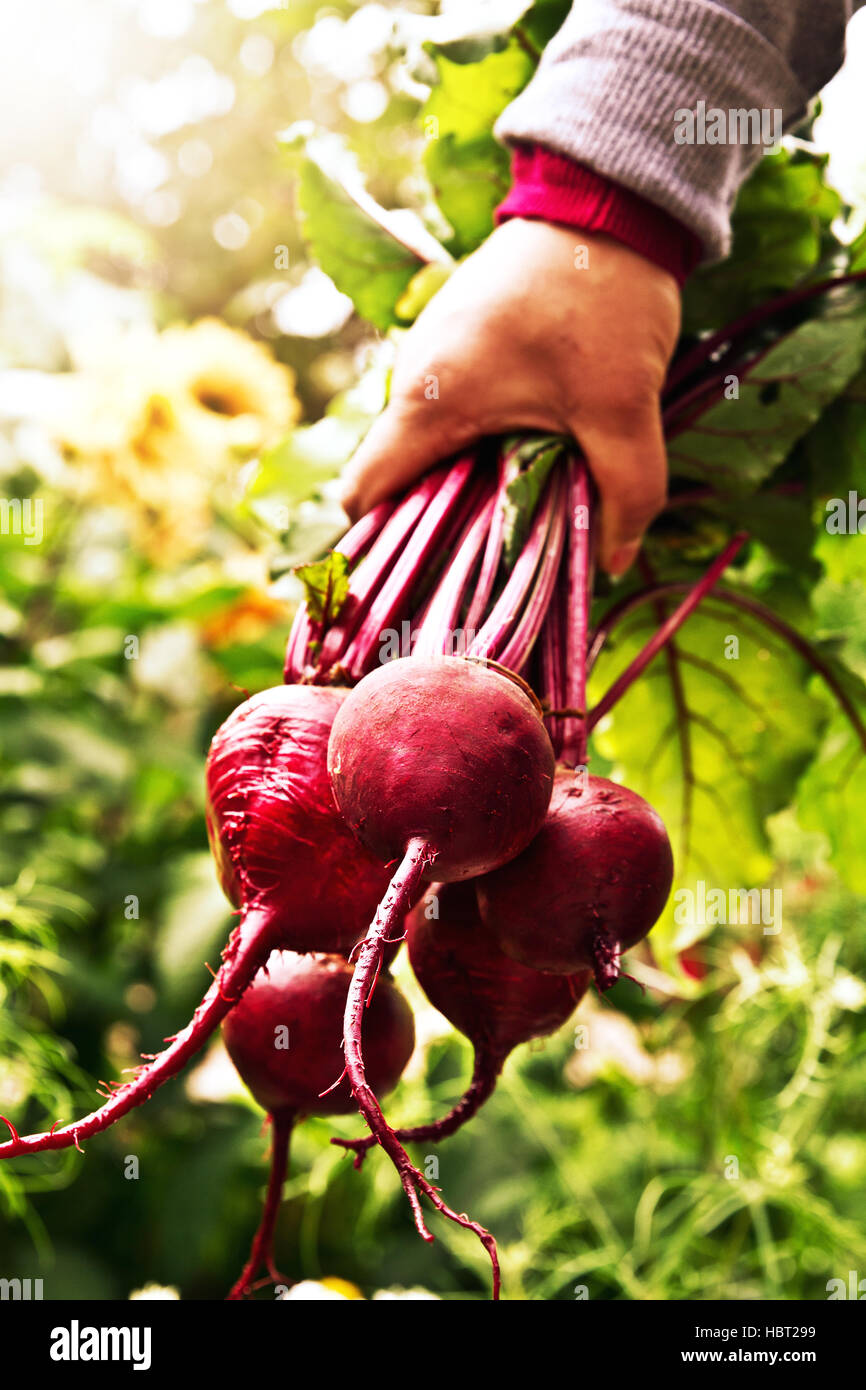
[780,228]
[465,34]
[297,467]
[782,524]
[468,168]
[326,585]
[835,447]
[714,742]
[421,289]
[469,33]
[832,797]
[857,251]
[351,237]
[314,529]
[839,599]
[288,491]
[540,22]
[736,444]
[528,469]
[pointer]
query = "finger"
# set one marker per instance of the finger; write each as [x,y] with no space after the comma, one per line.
[401,444]
[630,471]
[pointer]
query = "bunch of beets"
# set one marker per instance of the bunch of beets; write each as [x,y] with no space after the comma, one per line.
[433,797]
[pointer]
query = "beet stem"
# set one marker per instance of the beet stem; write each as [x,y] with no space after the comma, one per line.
[575,730]
[520,645]
[492,553]
[667,630]
[369,576]
[434,528]
[262,1248]
[353,545]
[552,663]
[485,1074]
[436,630]
[393,908]
[501,622]
[703,350]
[248,948]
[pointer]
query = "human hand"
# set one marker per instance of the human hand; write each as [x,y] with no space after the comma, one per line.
[523,337]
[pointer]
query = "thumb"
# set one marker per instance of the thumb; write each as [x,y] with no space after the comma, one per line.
[630,471]
[402,443]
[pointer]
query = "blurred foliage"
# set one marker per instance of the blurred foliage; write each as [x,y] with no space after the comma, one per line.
[165,317]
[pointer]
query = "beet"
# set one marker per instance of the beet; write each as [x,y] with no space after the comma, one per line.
[446,751]
[285,858]
[284,1038]
[592,883]
[494,1001]
[307,995]
[443,764]
[279,842]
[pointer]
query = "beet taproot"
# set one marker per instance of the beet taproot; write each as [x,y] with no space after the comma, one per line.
[493,1000]
[592,883]
[444,765]
[284,1039]
[284,1034]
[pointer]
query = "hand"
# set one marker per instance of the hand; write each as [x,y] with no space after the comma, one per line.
[520,337]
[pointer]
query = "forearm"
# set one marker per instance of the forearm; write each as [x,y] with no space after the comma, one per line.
[611,82]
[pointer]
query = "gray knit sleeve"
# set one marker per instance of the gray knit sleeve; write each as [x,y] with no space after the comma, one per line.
[615,87]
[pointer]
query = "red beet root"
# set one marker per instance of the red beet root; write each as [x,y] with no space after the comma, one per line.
[446,751]
[592,883]
[284,856]
[279,842]
[496,1002]
[298,1000]
[283,1037]
[445,765]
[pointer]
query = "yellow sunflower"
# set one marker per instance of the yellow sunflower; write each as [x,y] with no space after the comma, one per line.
[228,390]
[160,420]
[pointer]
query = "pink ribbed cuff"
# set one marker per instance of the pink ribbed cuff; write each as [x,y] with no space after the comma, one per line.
[554,188]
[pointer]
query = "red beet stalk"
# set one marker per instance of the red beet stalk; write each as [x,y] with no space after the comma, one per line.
[579,592]
[248,948]
[395,905]
[517,650]
[667,630]
[262,1248]
[503,619]
[371,573]
[431,533]
[355,542]
[442,613]
[485,1074]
